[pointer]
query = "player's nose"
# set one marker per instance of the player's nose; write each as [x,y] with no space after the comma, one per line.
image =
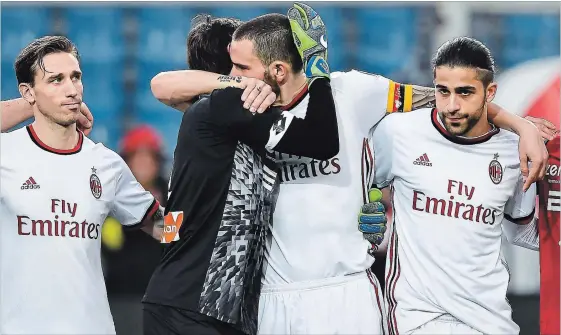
[454,103]
[71,90]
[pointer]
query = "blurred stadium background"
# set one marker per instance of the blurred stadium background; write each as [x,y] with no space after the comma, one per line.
[123,45]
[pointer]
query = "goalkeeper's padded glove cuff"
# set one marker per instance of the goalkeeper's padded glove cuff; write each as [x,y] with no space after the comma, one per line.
[317,67]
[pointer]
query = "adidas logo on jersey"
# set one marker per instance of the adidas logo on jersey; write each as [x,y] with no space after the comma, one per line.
[30,184]
[423,160]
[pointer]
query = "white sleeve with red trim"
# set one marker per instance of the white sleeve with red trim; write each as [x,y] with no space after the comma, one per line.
[382,144]
[132,203]
[519,224]
[374,96]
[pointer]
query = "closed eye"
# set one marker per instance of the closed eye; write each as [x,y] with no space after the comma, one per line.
[241,67]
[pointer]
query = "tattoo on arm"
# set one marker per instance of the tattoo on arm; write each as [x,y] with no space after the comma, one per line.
[423,97]
[229,79]
[158,217]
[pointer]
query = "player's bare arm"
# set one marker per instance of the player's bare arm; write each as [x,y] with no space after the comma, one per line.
[423,97]
[154,226]
[547,129]
[16,111]
[178,88]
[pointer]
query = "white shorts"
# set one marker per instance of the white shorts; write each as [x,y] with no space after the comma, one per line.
[339,305]
[445,325]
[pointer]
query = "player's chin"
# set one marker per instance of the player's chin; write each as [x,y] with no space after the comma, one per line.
[67,120]
[456,128]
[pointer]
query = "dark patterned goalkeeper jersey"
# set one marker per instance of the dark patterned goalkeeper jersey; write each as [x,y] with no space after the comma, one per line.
[221,199]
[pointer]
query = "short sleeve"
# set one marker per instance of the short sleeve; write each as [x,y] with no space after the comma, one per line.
[132,204]
[521,205]
[374,96]
[382,143]
[519,224]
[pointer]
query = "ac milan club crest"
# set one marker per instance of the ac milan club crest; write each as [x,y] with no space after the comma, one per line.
[495,170]
[95,184]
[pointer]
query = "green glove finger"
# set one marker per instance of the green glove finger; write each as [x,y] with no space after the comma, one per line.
[374,195]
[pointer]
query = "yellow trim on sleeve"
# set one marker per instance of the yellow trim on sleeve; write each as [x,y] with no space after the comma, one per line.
[391,97]
[408,99]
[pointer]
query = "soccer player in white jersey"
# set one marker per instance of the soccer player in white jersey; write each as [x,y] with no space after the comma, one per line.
[57,189]
[316,278]
[455,181]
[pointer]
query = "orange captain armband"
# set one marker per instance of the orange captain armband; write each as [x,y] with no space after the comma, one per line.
[400,97]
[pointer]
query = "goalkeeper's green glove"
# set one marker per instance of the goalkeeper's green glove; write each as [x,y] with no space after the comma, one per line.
[310,38]
[372,218]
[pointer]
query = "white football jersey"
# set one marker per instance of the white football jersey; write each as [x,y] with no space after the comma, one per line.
[52,206]
[450,196]
[314,231]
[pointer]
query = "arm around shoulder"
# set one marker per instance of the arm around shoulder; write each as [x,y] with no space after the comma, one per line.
[14,112]
[178,88]
[315,136]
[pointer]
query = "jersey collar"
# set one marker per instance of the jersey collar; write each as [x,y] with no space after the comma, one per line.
[460,139]
[297,99]
[45,147]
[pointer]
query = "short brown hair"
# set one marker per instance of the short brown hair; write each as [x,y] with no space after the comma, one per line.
[31,57]
[272,39]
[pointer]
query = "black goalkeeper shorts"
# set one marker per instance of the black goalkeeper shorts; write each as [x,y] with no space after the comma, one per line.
[166,320]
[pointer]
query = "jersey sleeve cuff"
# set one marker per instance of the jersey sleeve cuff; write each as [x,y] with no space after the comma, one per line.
[154,206]
[524,220]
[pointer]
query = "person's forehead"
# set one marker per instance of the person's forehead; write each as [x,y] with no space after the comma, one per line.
[242,48]
[456,75]
[60,62]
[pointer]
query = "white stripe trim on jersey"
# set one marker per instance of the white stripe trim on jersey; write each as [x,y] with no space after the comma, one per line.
[366,169]
[278,130]
[391,282]
[393,275]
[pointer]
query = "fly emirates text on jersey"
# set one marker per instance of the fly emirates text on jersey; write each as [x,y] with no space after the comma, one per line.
[457,206]
[65,225]
[298,167]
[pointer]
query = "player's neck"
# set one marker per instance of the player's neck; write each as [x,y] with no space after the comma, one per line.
[54,135]
[291,89]
[481,128]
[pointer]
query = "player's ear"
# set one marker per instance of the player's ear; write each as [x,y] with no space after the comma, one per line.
[491,92]
[27,92]
[279,70]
